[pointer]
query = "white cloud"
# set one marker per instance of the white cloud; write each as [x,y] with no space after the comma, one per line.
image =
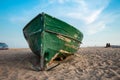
[59,1]
[84,10]
[90,13]
[93,16]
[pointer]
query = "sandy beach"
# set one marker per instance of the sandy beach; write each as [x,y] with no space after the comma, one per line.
[86,64]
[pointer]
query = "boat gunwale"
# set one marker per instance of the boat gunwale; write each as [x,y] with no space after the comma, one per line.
[53,18]
[31,21]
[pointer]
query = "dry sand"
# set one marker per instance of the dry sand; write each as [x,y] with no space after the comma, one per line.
[86,64]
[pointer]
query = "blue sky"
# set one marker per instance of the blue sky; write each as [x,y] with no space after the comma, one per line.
[99,20]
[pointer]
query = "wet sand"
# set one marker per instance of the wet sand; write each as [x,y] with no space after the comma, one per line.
[86,64]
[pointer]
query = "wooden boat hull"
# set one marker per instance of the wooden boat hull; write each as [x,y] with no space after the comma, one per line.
[51,38]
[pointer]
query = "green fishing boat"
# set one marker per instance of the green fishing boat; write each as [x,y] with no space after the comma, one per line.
[51,38]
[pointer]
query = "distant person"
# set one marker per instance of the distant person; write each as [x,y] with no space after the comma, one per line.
[108,45]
